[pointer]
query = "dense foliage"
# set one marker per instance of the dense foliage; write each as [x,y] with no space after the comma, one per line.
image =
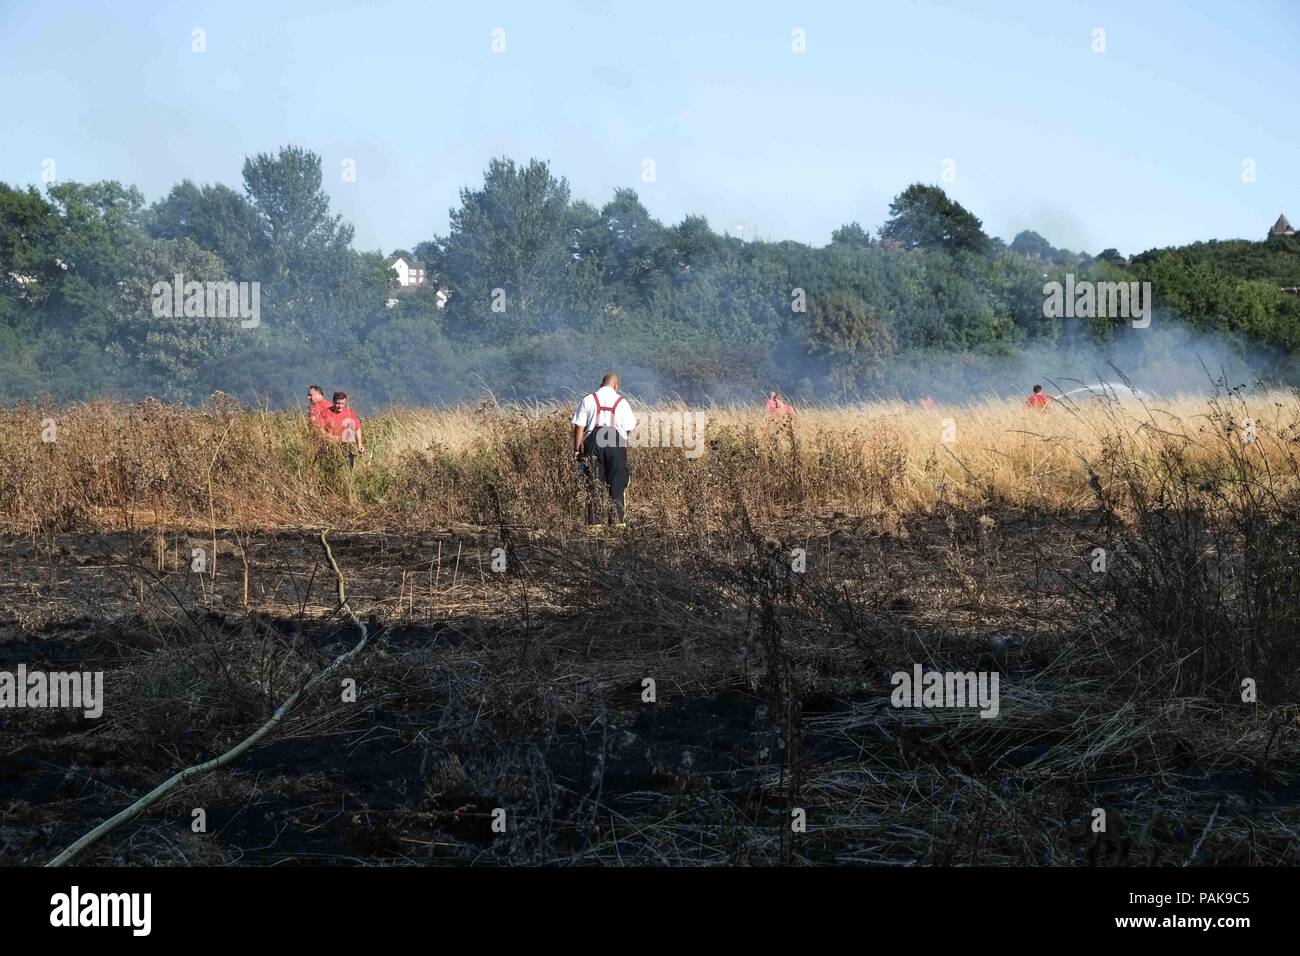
[544,291]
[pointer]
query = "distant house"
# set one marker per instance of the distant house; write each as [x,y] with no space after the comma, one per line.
[411,275]
[1283,228]
[409,271]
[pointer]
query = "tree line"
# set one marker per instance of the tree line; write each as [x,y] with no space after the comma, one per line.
[542,291]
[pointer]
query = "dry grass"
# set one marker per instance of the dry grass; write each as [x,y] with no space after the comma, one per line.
[132,466]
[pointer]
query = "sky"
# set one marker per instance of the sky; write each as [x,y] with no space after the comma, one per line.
[1182,128]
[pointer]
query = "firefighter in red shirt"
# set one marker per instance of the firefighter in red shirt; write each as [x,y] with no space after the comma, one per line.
[344,424]
[778,406]
[1038,400]
[319,414]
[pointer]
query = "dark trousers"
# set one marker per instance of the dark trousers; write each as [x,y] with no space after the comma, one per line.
[606,453]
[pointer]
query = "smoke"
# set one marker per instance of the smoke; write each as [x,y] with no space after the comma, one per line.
[1166,358]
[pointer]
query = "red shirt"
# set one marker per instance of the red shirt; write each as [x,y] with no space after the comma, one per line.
[344,425]
[321,414]
[777,407]
[1038,400]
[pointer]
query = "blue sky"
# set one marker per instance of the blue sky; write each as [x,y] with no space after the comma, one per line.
[1139,146]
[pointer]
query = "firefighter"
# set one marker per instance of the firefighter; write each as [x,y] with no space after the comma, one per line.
[601,425]
[1038,400]
[345,426]
[777,406]
[319,413]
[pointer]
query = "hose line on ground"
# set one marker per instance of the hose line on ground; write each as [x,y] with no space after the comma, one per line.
[176,780]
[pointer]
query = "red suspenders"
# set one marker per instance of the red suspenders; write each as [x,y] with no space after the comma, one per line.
[595,422]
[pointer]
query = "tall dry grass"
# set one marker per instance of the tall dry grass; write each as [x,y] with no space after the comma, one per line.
[132,465]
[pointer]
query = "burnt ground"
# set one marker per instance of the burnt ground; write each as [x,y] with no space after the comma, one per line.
[522,691]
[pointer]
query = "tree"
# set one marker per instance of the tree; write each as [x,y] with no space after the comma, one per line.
[29,228]
[511,236]
[286,190]
[98,226]
[852,235]
[307,251]
[849,335]
[923,217]
[635,261]
[695,245]
[586,295]
[216,218]
[1031,244]
[168,352]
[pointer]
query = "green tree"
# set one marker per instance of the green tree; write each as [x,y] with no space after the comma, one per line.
[29,234]
[511,235]
[168,353]
[852,340]
[923,217]
[851,234]
[99,224]
[1031,244]
[307,250]
[285,189]
[218,219]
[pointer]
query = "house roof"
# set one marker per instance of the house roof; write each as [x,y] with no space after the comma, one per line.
[1281,226]
[413,263]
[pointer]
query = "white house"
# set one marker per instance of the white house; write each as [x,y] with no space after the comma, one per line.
[410,276]
[409,272]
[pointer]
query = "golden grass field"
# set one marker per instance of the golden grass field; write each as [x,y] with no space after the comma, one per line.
[121,466]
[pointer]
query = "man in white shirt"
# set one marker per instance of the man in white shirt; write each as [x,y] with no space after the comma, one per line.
[600,429]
